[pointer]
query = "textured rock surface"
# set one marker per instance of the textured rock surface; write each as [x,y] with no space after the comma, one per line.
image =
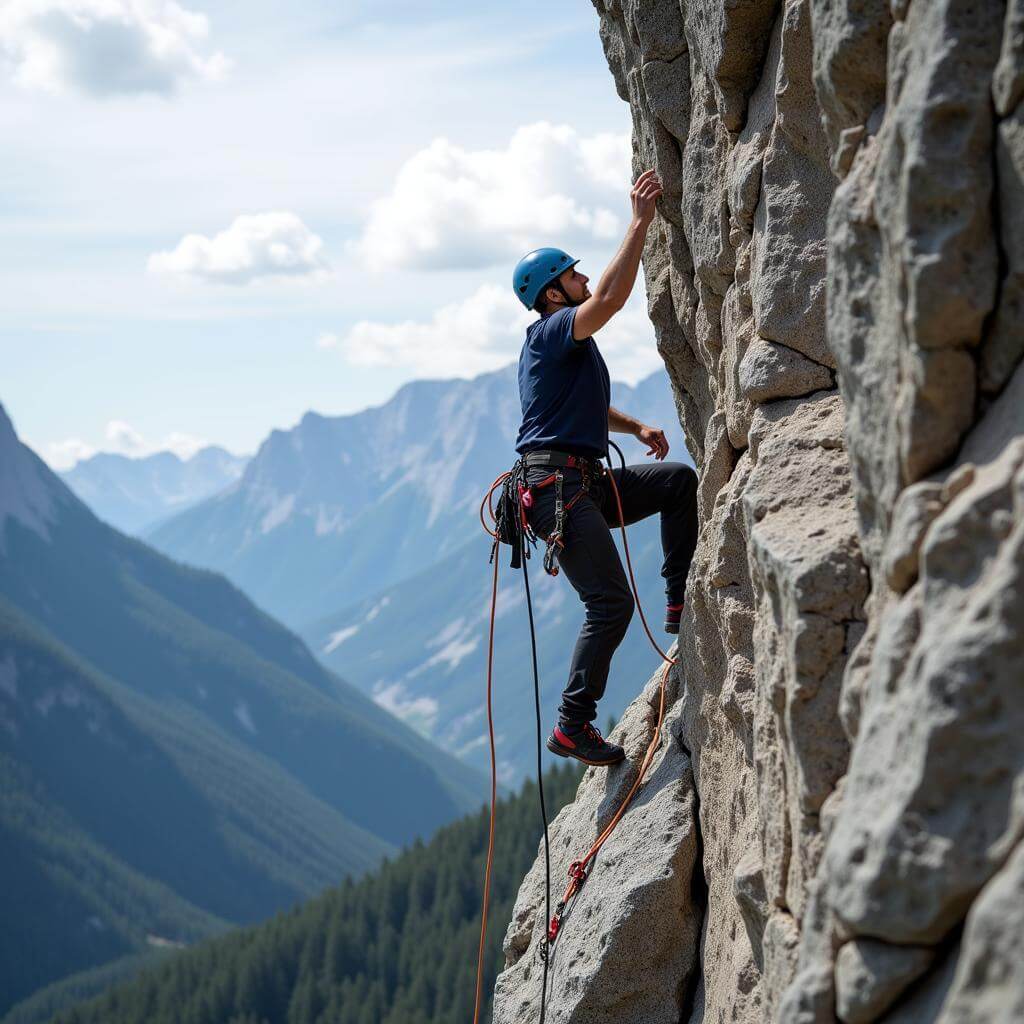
[871,974]
[639,898]
[836,282]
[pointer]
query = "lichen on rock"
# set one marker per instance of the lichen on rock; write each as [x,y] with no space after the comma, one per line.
[836,285]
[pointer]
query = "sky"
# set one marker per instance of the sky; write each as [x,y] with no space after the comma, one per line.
[218,215]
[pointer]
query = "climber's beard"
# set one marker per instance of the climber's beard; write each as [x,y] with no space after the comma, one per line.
[583,297]
[569,300]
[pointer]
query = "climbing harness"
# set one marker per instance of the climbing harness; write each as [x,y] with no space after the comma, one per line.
[589,470]
[511,526]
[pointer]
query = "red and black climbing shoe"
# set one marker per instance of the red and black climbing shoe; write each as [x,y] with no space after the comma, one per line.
[586,744]
[672,616]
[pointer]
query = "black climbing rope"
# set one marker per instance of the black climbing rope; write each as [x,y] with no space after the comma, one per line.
[540,784]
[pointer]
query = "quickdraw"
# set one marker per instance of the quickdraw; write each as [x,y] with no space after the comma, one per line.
[577,876]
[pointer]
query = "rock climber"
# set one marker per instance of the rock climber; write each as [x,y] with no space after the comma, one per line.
[565,393]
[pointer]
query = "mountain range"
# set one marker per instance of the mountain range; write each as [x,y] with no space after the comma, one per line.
[363,532]
[172,759]
[340,508]
[136,494]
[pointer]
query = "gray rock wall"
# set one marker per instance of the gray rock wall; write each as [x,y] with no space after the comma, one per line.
[836,283]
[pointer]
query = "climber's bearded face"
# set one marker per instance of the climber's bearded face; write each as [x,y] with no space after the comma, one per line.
[575,284]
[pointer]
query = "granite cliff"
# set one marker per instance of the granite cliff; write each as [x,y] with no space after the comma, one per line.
[832,826]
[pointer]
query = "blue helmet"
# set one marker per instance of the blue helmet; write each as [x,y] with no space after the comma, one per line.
[536,270]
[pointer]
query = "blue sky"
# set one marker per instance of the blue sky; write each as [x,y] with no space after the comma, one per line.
[216,219]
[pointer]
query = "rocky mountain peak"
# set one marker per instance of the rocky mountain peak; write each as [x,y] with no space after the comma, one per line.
[135,492]
[27,496]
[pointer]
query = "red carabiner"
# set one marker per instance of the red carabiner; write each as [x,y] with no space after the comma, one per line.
[525,501]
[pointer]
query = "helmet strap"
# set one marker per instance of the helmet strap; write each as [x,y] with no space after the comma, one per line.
[569,301]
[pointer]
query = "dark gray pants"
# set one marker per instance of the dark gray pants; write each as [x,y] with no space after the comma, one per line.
[592,565]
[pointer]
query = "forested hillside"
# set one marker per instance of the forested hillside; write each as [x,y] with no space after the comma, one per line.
[172,761]
[398,947]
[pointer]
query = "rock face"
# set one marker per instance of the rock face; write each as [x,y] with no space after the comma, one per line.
[595,973]
[836,282]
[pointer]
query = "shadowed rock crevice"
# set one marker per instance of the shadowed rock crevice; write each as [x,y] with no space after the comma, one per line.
[691,993]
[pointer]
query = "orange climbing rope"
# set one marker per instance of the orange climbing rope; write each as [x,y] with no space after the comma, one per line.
[629,566]
[578,869]
[494,794]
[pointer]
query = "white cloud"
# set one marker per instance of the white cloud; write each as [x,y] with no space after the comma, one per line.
[106,47]
[124,438]
[121,439]
[336,639]
[628,344]
[255,245]
[64,454]
[183,445]
[484,332]
[453,208]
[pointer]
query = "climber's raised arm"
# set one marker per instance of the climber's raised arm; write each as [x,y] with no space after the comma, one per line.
[617,281]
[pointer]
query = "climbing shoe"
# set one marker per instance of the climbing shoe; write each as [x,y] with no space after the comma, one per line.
[585,744]
[672,616]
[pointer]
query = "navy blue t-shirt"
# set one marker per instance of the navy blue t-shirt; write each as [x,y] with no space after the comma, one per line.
[564,389]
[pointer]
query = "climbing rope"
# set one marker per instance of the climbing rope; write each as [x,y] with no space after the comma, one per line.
[578,870]
[494,534]
[494,796]
[540,782]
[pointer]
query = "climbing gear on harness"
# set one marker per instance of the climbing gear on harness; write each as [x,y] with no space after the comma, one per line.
[536,270]
[586,745]
[578,871]
[510,524]
[555,537]
[589,469]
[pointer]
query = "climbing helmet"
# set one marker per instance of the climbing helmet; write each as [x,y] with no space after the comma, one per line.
[538,269]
